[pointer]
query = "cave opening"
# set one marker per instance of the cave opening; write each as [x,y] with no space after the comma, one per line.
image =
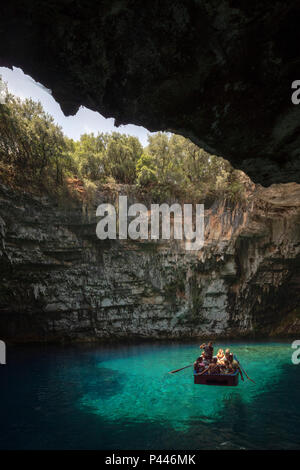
[205,100]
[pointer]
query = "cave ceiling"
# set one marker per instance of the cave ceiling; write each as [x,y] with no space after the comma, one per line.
[218,72]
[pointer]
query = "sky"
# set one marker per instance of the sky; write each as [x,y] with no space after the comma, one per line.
[85,121]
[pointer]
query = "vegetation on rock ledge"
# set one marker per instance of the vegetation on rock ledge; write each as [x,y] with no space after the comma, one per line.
[35,153]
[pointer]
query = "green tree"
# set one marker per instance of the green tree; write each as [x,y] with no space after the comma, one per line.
[121,156]
[30,140]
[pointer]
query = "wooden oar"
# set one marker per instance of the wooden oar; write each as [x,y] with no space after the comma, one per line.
[241,374]
[246,373]
[205,370]
[177,370]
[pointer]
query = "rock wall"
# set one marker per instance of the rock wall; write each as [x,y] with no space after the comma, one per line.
[60,282]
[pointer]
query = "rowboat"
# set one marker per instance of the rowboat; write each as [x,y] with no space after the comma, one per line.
[229,380]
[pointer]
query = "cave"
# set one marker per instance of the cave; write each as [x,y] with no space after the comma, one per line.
[217,72]
[100,332]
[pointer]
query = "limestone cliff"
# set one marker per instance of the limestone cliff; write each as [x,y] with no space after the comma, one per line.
[60,282]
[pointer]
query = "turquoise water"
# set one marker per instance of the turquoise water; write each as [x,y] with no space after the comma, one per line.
[122,397]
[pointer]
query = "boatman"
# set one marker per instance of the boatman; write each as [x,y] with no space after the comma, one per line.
[208,351]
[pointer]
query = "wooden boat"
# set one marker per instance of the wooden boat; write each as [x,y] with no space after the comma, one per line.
[229,380]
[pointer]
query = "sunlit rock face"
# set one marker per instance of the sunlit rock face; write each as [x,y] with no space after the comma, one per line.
[60,282]
[219,72]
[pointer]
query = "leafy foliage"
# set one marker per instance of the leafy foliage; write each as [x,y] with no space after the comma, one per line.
[31,141]
[174,167]
[170,167]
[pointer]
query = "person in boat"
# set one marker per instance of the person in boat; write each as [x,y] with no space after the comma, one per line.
[233,363]
[208,351]
[227,354]
[199,365]
[213,368]
[223,366]
[220,356]
[226,368]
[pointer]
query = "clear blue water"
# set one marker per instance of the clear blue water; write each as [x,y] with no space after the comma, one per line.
[122,397]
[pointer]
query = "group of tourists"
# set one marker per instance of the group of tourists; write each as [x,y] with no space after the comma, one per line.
[222,363]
